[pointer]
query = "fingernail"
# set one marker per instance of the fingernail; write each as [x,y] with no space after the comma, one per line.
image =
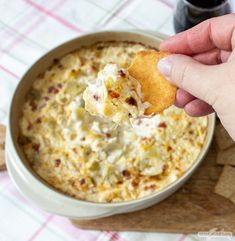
[164,66]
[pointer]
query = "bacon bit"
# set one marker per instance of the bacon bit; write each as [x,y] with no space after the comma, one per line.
[57,162]
[121,73]
[152,186]
[60,85]
[119,182]
[82,181]
[93,67]
[131,101]
[83,138]
[74,150]
[162,125]
[113,94]
[52,90]
[96,97]
[108,135]
[135,183]
[36,147]
[33,106]
[165,168]
[38,120]
[29,127]
[126,173]
[46,98]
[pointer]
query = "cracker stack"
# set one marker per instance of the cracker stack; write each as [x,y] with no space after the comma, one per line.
[226,156]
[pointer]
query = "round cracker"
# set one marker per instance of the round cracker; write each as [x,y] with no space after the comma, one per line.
[155,88]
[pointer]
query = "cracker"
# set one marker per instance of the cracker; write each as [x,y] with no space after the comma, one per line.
[155,88]
[232,198]
[226,184]
[226,156]
[222,138]
[2,147]
[2,160]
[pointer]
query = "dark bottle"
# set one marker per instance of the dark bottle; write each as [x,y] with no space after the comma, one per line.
[189,13]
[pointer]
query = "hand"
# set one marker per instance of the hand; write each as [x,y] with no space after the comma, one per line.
[206,76]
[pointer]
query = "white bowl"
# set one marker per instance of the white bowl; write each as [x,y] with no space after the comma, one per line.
[36,189]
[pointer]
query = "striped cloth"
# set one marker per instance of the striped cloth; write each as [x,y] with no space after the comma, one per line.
[28,29]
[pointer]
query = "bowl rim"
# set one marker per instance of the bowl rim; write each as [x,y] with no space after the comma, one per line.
[154,36]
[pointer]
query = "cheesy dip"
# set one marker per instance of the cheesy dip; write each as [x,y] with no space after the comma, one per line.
[117,96]
[92,158]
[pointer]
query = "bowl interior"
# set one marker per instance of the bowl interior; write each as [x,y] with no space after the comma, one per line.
[47,60]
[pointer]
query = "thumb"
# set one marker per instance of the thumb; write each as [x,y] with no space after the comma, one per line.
[202,81]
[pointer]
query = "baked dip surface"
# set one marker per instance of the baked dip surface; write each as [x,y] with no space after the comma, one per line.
[92,158]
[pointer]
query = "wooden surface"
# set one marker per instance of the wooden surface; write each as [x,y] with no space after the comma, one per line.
[2,147]
[192,209]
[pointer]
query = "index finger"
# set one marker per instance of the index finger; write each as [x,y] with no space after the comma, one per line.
[213,33]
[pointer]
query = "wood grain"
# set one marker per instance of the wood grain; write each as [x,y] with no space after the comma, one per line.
[2,147]
[192,209]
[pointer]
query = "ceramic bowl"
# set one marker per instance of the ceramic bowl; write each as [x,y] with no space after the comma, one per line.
[37,190]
